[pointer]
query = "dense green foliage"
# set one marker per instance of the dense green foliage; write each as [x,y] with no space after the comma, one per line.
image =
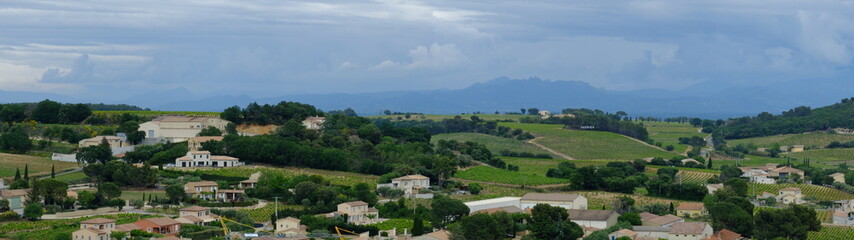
[269,114]
[793,222]
[797,120]
[456,125]
[587,119]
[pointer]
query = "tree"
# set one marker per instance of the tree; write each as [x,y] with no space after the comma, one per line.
[726,215]
[631,218]
[475,188]
[789,223]
[87,199]
[94,154]
[27,172]
[210,131]
[417,226]
[15,141]
[74,113]
[738,186]
[4,205]
[175,193]
[51,190]
[387,112]
[480,226]
[33,211]
[17,174]
[120,234]
[232,114]
[52,171]
[728,172]
[46,111]
[623,204]
[12,113]
[131,130]
[109,190]
[548,222]
[362,191]
[446,210]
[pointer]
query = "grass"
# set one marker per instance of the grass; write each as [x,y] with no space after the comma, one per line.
[493,143]
[334,177]
[37,165]
[262,214]
[55,147]
[668,133]
[52,229]
[137,195]
[590,144]
[819,192]
[533,165]
[434,117]
[72,178]
[490,174]
[809,140]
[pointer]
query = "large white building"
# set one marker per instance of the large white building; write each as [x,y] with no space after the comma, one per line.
[178,128]
[205,159]
[410,184]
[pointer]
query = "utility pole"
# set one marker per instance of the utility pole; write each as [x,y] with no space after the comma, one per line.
[277,208]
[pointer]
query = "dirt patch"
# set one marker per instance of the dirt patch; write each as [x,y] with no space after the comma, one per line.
[256,129]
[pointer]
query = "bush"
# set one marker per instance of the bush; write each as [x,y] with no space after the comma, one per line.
[390,192]
[9,216]
[33,211]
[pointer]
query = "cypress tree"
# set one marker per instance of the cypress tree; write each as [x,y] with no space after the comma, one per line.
[710,163]
[672,209]
[52,172]
[417,226]
[27,172]
[17,174]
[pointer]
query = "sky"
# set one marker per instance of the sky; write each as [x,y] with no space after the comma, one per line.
[108,49]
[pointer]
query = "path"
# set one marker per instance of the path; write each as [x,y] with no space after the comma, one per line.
[260,204]
[62,173]
[533,141]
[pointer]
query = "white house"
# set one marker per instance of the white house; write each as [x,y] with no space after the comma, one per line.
[290,227]
[205,159]
[600,219]
[493,203]
[410,184]
[568,201]
[790,195]
[357,212]
[178,128]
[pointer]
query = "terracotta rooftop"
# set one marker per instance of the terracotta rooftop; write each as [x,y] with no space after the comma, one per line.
[127,227]
[666,219]
[14,193]
[188,219]
[645,216]
[690,206]
[627,232]
[290,219]
[161,221]
[552,197]
[98,221]
[724,234]
[694,228]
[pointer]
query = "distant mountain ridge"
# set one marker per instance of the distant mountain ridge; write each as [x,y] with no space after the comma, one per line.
[706,99]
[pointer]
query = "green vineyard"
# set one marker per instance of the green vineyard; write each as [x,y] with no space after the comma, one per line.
[694,177]
[819,192]
[832,233]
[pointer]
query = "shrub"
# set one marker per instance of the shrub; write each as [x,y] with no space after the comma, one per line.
[9,216]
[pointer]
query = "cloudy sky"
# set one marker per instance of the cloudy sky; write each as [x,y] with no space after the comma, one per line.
[109,49]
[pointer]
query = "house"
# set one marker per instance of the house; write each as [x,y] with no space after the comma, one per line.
[844,205]
[838,177]
[492,203]
[790,195]
[712,188]
[508,209]
[314,123]
[113,141]
[162,225]
[661,221]
[16,197]
[691,210]
[785,172]
[3,185]
[544,113]
[759,174]
[410,184]
[690,231]
[290,226]
[205,159]
[178,128]
[725,234]
[196,215]
[195,143]
[600,219]
[651,232]
[127,227]
[230,195]
[437,235]
[94,229]
[201,190]
[357,212]
[568,201]
[843,218]
[797,148]
[784,148]
[250,183]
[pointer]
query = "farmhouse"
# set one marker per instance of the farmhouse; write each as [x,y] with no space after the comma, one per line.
[201,190]
[290,226]
[843,218]
[162,225]
[250,183]
[196,215]
[568,201]
[230,195]
[94,229]
[16,197]
[113,141]
[785,172]
[314,123]
[205,159]
[195,143]
[790,195]
[600,219]
[712,188]
[690,231]
[178,128]
[668,220]
[357,212]
[797,148]
[410,184]
[691,210]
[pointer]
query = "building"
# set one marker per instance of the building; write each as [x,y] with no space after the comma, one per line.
[410,184]
[178,128]
[785,172]
[508,209]
[838,177]
[712,188]
[623,233]
[16,197]
[691,160]
[844,205]
[725,234]
[162,225]
[251,182]
[314,123]
[797,148]
[437,235]
[493,203]
[205,159]
[196,215]
[113,141]
[290,226]
[691,210]
[230,195]
[568,201]
[690,231]
[195,143]
[357,212]
[600,219]
[668,220]
[790,195]
[843,218]
[759,174]
[201,190]
[651,232]
[94,229]
[127,227]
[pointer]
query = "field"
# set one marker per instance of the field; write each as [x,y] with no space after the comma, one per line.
[50,229]
[137,195]
[589,144]
[490,174]
[814,140]
[832,233]
[694,176]
[158,113]
[829,154]
[819,192]
[72,178]
[263,214]
[533,165]
[334,177]
[669,133]
[493,143]
[37,165]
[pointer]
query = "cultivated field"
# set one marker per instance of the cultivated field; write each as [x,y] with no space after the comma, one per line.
[534,165]
[590,144]
[669,133]
[832,233]
[819,192]
[814,140]
[37,165]
[137,195]
[494,143]
[334,177]
[828,154]
[55,229]
[490,174]
[694,176]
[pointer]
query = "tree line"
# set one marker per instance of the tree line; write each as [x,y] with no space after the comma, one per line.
[588,119]
[265,114]
[797,120]
[457,125]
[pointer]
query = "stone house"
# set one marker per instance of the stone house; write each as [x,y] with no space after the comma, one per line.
[410,184]
[290,226]
[314,123]
[162,225]
[205,159]
[692,210]
[201,190]
[790,195]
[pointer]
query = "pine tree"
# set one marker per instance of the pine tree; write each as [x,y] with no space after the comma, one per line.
[17,174]
[52,172]
[27,172]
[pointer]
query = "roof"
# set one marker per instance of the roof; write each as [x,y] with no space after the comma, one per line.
[289,219]
[223,158]
[100,138]
[787,169]
[593,215]
[189,219]
[507,209]
[492,200]
[790,189]
[411,177]
[207,138]
[626,232]
[14,193]
[725,234]
[230,191]
[690,206]
[199,184]
[645,216]
[195,209]
[552,197]
[840,214]
[199,152]
[798,146]
[98,221]
[650,229]
[437,235]
[92,230]
[356,203]
[314,119]
[666,219]
[694,228]
[160,222]
[127,227]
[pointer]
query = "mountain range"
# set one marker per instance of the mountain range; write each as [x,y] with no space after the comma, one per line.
[706,99]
